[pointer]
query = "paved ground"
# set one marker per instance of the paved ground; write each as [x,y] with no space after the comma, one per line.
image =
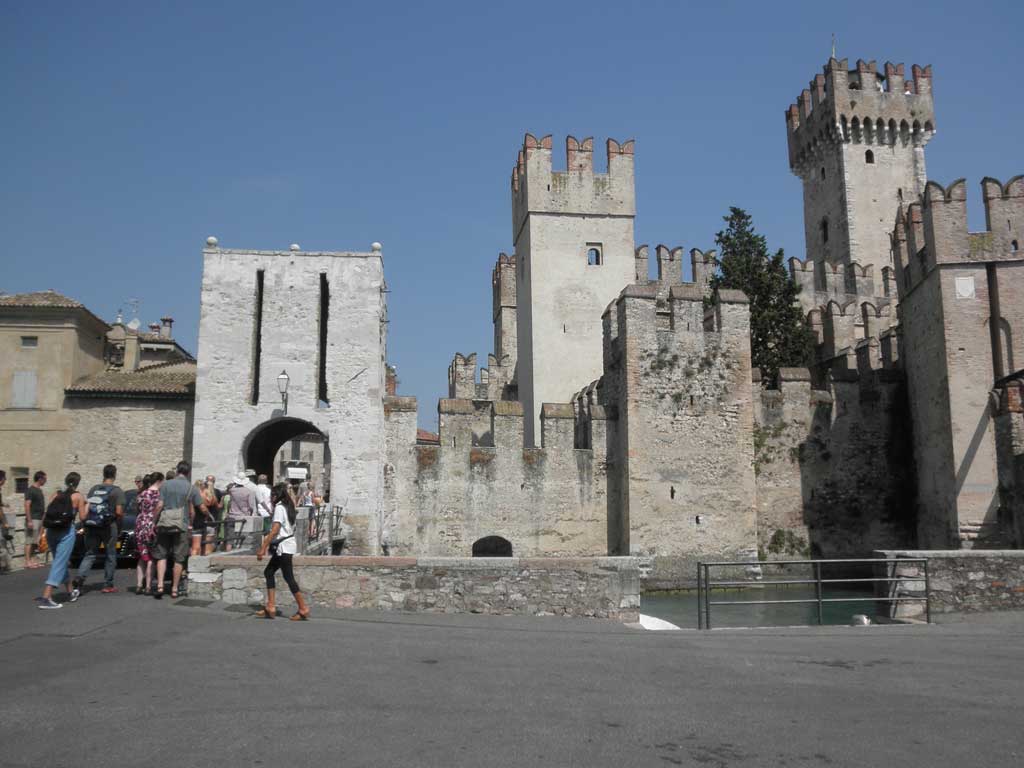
[124,680]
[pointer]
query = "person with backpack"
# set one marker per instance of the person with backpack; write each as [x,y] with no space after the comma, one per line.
[100,518]
[66,505]
[179,503]
[280,542]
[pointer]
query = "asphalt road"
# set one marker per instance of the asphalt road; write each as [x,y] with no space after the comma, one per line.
[117,680]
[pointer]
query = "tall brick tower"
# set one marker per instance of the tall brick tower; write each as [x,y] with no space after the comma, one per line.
[574,251]
[856,139]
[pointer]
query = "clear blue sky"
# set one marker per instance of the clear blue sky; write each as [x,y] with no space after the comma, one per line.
[131,131]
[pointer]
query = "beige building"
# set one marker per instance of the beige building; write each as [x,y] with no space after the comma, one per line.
[77,393]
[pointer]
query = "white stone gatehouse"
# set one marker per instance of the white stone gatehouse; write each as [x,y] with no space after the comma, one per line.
[319,318]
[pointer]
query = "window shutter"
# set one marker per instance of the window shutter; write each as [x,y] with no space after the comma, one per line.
[24,395]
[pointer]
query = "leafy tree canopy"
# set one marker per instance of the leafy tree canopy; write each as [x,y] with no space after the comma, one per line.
[778,336]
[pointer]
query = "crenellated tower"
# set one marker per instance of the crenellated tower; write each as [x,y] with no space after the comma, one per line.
[856,140]
[961,318]
[574,250]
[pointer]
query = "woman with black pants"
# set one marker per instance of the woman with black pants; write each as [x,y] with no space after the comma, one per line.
[281,543]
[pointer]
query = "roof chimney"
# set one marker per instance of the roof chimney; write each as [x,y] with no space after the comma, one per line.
[154,328]
[132,352]
[165,327]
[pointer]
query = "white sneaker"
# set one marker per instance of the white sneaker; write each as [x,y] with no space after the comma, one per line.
[49,604]
[74,594]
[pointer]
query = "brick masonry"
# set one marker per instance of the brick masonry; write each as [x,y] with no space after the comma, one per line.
[599,587]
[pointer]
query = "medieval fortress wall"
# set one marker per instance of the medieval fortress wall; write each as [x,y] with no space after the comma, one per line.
[261,313]
[621,415]
[440,499]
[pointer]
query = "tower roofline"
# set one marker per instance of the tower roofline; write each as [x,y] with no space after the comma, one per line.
[859,105]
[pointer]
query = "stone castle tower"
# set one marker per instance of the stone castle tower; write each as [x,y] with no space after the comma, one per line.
[573,237]
[856,140]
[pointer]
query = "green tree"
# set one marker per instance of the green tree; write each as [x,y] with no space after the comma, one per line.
[778,336]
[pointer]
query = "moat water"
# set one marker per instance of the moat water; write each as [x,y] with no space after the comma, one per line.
[680,608]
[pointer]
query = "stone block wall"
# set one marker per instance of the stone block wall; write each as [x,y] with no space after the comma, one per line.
[834,467]
[679,380]
[967,581]
[1009,428]
[600,587]
[229,425]
[139,436]
[440,499]
[960,299]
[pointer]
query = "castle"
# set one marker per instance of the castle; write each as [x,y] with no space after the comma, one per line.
[619,414]
[904,432]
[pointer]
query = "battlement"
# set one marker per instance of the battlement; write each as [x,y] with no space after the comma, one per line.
[465,425]
[822,281]
[536,188]
[645,310]
[933,230]
[859,106]
[503,283]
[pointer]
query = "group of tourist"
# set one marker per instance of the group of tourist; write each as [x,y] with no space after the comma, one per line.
[173,519]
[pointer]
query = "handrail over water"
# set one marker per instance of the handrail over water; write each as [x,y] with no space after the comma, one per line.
[705,584]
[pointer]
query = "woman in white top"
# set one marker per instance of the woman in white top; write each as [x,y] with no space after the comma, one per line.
[281,543]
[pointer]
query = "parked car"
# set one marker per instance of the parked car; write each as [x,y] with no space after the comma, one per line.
[127,552]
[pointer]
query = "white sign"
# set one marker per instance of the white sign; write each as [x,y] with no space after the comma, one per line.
[965,287]
[297,473]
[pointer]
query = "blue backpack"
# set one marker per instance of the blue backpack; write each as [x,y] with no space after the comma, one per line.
[101,506]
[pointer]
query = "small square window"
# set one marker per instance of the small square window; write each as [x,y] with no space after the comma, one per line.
[20,479]
[595,257]
[30,341]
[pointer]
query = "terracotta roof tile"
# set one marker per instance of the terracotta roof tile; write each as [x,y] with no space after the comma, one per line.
[46,300]
[176,379]
[39,299]
[427,438]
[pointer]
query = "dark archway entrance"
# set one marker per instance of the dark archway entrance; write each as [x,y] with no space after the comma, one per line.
[492,546]
[263,443]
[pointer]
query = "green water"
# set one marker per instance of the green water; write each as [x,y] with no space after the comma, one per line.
[680,608]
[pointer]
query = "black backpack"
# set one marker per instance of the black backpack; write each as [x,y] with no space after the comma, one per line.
[101,507]
[59,513]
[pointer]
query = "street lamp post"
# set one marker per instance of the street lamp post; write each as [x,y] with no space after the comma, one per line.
[282,387]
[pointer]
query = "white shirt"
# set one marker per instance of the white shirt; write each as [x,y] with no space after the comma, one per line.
[263,500]
[287,546]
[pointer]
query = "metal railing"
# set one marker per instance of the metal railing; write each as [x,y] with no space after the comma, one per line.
[339,529]
[705,584]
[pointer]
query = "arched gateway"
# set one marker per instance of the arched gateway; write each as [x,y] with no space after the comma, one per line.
[292,344]
[261,446]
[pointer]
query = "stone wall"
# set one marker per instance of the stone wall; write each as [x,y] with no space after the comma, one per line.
[1009,427]
[960,298]
[138,436]
[834,467]
[679,380]
[557,216]
[966,581]
[229,425]
[600,587]
[440,499]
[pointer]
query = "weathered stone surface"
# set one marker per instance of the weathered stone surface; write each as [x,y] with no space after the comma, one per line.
[963,581]
[227,421]
[604,587]
[835,475]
